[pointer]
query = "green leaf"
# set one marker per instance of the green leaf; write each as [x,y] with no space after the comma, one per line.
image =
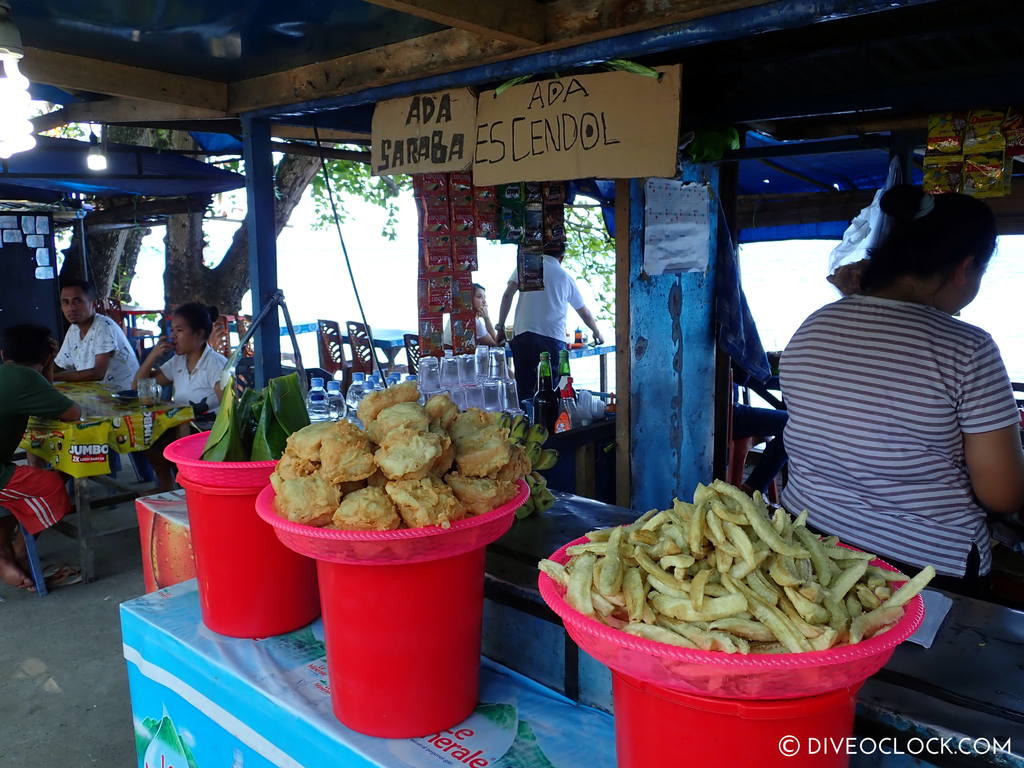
[248,416]
[261,448]
[288,403]
[625,65]
[511,83]
[225,442]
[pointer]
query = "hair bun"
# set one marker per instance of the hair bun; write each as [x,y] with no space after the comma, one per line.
[214,313]
[904,202]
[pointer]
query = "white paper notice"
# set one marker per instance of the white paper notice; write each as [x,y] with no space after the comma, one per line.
[44,273]
[35,241]
[676,227]
[12,236]
[42,225]
[42,257]
[28,224]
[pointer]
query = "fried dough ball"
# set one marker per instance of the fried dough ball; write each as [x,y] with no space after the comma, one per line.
[425,502]
[518,465]
[346,454]
[291,466]
[469,422]
[483,452]
[368,509]
[409,455]
[480,494]
[305,444]
[375,402]
[307,500]
[442,411]
[400,416]
[444,462]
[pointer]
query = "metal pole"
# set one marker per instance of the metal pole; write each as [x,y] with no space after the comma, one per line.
[83,249]
[262,233]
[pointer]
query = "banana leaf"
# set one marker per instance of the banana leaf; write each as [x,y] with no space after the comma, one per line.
[248,416]
[262,450]
[289,403]
[225,442]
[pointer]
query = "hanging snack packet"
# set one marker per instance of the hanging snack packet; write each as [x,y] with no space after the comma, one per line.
[463,334]
[984,132]
[534,225]
[530,268]
[512,225]
[460,190]
[554,192]
[946,133]
[439,294]
[462,295]
[431,192]
[984,175]
[431,335]
[1013,132]
[436,253]
[943,175]
[464,252]
[485,208]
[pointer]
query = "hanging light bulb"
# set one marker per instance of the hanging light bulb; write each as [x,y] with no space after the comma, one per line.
[96,160]
[15,125]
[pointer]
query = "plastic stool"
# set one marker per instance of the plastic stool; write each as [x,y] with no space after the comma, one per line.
[35,567]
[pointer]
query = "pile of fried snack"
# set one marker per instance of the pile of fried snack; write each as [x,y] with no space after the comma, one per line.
[725,574]
[413,466]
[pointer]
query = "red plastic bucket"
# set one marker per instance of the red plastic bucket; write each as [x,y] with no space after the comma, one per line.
[402,615]
[250,584]
[403,643]
[652,723]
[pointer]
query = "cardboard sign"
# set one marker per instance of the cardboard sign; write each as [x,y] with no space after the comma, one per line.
[429,132]
[613,125]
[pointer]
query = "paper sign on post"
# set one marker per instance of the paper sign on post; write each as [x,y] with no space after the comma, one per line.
[613,125]
[677,226]
[426,133]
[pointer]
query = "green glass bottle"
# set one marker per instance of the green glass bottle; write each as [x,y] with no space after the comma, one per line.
[545,402]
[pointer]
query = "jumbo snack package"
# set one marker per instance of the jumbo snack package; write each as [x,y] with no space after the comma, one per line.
[984,132]
[943,174]
[946,133]
[985,175]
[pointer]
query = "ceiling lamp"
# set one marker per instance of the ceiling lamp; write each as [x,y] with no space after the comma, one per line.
[96,160]
[15,125]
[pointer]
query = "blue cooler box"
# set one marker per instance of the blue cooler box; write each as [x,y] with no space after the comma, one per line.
[200,700]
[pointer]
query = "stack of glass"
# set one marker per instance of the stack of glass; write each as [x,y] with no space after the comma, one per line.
[480,380]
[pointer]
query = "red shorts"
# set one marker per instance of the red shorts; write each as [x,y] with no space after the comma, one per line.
[37,497]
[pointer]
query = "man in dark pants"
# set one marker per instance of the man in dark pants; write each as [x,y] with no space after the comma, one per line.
[540,321]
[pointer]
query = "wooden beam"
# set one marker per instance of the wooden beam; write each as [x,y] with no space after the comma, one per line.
[128,111]
[845,125]
[78,73]
[520,22]
[569,22]
[782,210]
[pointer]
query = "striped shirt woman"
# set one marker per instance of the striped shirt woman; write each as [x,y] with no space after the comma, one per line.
[902,427]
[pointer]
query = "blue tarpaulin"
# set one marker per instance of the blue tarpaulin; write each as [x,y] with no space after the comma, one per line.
[59,165]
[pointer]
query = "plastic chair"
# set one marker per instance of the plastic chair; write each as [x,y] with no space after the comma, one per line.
[332,348]
[34,565]
[363,354]
[412,351]
[111,307]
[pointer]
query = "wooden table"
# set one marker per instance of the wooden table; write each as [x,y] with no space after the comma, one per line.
[82,450]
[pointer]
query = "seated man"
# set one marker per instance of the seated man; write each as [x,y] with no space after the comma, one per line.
[36,497]
[95,348]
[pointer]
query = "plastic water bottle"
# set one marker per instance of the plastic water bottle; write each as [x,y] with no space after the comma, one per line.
[335,401]
[394,378]
[316,401]
[356,390]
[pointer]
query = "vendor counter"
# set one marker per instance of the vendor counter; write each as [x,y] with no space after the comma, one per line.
[968,684]
[201,700]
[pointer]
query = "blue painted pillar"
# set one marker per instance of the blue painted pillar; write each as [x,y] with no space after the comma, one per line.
[259,188]
[672,357]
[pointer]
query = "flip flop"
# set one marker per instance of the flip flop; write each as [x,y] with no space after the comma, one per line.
[62,576]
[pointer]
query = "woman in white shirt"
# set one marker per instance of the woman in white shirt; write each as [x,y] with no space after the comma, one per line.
[193,373]
[485,335]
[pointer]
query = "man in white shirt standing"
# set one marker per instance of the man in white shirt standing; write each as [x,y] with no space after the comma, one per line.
[95,348]
[540,321]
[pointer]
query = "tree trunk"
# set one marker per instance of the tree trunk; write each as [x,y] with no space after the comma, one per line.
[186,278]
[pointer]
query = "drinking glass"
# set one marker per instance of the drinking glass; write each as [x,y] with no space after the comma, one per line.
[149,391]
[498,368]
[511,395]
[482,361]
[493,397]
[474,396]
[467,370]
[429,373]
[460,398]
[450,373]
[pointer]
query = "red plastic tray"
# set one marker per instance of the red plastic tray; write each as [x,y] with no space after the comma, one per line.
[402,546]
[724,675]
